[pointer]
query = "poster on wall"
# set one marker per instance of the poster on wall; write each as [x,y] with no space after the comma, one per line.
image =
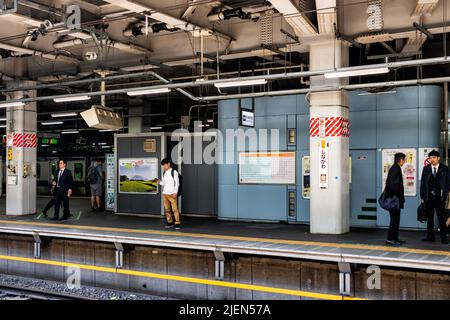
[110,181]
[323,165]
[136,175]
[267,168]
[409,169]
[423,159]
[306,177]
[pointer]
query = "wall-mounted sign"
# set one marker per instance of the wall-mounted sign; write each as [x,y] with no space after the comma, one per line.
[150,145]
[306,177]
[12,180]
[110,181]
[323,165]
[137,175]
[267,168]
[409,169]
[247,118]
[423,159]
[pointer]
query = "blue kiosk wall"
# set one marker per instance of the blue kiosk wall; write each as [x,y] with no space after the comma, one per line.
[409,118]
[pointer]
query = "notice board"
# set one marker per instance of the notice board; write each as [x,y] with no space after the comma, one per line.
[267,168]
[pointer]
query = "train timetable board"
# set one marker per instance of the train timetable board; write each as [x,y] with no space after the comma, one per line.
[267,168]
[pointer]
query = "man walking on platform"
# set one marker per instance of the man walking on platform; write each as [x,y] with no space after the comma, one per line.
[63,183]
[434,190]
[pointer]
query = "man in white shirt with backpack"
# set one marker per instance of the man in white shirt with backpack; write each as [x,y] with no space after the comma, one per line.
[170,183]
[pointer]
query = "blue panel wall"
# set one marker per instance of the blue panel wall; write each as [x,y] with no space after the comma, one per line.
[408,118]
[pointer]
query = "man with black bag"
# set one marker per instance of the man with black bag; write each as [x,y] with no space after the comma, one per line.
[434,190]
[394,187]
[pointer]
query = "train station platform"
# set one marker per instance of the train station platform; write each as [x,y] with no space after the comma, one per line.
[360,246]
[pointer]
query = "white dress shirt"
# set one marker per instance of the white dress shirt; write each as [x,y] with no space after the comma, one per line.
[170,185]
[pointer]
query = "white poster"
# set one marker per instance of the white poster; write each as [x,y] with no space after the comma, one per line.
[409,169]
[323,166]
[267,168]
[423,159]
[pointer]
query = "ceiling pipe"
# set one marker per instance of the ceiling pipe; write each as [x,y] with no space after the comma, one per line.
[282,76]
[82,81]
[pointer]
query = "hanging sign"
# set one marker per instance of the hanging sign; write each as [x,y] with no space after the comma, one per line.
[323,167]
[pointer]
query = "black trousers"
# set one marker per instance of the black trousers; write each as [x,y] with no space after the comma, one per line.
[49,205]
[435,203]
[61,196]
[394,226]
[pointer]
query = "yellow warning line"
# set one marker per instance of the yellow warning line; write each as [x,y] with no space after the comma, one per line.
[226,284]
[236,238]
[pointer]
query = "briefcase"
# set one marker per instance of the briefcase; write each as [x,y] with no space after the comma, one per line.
[422,213]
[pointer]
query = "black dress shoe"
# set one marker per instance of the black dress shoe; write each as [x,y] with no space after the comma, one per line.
[428,239]
[393,243]
[54,218]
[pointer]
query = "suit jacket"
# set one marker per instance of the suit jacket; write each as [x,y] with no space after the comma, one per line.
[394,183]
[444,181]
[66,180]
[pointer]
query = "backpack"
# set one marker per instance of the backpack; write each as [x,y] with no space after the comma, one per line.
[91,177]
[180,180]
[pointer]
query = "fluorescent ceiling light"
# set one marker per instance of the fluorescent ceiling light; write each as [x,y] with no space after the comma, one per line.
[72,98]
[376,93]
[155,128]
[139,68]
[3,126]
[50,123]
[210,120]
[148,91]
[2,119]
[102,143]
[105,130]
[64,114]
[106,147]
[357,72]
[12,104]
[70,132]
[239,83]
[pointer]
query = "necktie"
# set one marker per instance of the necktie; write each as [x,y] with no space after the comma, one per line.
[59,176]
[434,172]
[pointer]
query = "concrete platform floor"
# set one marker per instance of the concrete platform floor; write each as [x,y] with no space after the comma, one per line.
[80,208]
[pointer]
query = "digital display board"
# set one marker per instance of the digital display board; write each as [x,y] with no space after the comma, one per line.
[267,168]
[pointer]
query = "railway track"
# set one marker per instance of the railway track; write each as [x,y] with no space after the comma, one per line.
[19,293]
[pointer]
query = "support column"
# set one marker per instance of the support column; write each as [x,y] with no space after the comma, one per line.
[135,119]
[21,153]
[329,143]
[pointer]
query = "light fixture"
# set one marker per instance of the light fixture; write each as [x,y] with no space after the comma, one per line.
[102,143]
[70,132]
[2,119]
[147,91]
[203,125]
[64,114]
[72,98]
[3,126]
[12,104]
[106,147]
[51,123]
[239,83]
[105,130]
[357,72]
[376,93]
[210,120]
[155,128]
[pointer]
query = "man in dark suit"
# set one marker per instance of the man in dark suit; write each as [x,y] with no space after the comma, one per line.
[394,187]
[63,183]
[434,189]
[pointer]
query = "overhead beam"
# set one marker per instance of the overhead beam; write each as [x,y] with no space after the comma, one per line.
[297,20]
[326,15]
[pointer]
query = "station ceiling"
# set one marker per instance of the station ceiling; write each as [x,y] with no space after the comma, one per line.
[184,40]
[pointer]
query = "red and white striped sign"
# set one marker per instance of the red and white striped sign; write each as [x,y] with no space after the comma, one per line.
[24,140]
[329,127]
